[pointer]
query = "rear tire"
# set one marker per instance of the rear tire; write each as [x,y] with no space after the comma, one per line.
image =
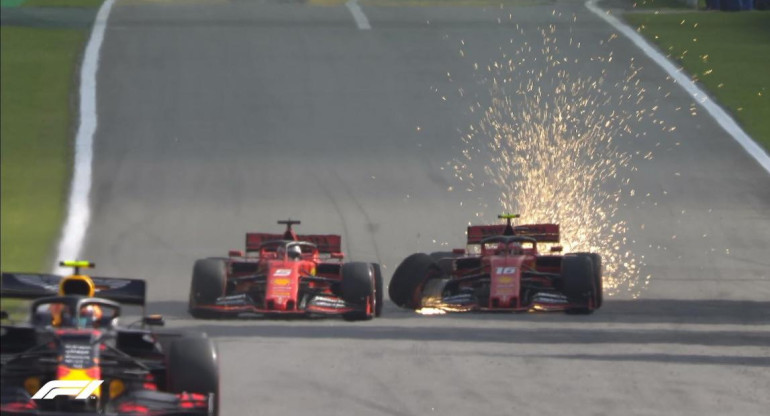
[578,282]
[208,283]
[193,367]
[408,279]
[358,288]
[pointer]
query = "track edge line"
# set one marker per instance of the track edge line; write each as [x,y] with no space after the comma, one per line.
[728,124]
[78,210]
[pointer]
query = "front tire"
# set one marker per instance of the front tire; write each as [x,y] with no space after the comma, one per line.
[208,283]
[596,260]
[578,283]
[445,260]
[378,294]
[406,283]
[358,288]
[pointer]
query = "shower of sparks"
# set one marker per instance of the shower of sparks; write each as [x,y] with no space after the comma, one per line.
[547,141]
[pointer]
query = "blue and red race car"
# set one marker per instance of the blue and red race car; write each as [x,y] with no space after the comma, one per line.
[286,275]
[73,357]
[501,270]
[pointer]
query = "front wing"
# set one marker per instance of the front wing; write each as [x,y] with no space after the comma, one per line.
[242,304]
[432,297]
[143,402]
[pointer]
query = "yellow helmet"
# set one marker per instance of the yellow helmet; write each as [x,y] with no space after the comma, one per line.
[76,284]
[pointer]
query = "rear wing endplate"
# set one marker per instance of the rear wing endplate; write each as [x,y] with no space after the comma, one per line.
[36,285]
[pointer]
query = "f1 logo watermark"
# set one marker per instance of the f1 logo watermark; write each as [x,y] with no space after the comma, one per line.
[82,389]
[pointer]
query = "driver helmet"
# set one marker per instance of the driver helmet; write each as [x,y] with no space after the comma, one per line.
[295,253]
[516,248]
[90,315]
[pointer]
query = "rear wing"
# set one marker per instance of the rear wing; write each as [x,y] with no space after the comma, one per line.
[326,243]
[543,233]
[35,285]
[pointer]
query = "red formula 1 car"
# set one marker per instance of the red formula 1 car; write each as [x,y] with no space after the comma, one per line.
[501,270]
[73,357]
[284,275]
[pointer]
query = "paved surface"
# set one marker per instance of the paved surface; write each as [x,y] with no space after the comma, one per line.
[221,117]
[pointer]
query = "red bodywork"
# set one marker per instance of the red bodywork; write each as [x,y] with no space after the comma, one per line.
[502,270]
[265,280]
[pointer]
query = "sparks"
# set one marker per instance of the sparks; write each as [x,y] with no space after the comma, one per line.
[548,144]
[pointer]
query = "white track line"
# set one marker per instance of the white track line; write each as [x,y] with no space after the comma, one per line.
[722,118]
[358,15]
[78,211]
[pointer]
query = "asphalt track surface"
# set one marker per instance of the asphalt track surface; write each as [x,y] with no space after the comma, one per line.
[217,118]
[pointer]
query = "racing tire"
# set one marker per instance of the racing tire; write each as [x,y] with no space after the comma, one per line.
[578,282]
[596,260]
[358,288]
[192,365]
[208,283]
[378,295]
[444,260]
[438,255]
[408,279]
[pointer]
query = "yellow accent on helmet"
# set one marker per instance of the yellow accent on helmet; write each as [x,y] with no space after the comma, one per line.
[77,284]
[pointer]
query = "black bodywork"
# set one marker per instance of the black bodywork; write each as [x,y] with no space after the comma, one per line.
[132,362]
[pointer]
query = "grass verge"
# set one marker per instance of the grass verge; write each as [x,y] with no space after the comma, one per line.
[63,3]
[660,4]
[728,53]
[36,82]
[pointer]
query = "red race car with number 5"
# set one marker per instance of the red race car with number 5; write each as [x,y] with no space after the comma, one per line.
[285,275]
[501,270]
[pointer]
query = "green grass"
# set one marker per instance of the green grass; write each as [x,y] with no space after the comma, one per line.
[11,3]
[63,3]
[51,3]
[729,53]
[36,86]
[427,3]
[660,4]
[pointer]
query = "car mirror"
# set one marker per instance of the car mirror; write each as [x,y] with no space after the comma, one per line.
[556,249]
[339,256]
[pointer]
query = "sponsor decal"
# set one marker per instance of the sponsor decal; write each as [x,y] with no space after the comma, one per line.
[552,298]
[281,282]
[233,300]
[327,302]
[81,389]
[282,272]
[505,280]
[77,355]
[461,299]
[505,270]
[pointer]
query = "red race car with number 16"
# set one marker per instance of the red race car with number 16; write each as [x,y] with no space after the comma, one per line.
[501,270]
